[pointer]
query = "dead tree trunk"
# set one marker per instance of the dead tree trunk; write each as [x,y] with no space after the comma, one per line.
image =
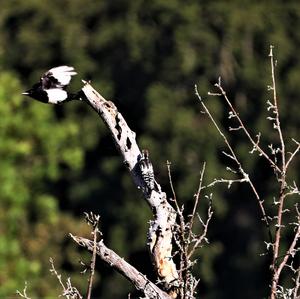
[164,216]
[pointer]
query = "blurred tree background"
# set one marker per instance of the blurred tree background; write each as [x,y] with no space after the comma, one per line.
[57,162]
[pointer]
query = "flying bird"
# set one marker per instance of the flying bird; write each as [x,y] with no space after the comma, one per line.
[52,86]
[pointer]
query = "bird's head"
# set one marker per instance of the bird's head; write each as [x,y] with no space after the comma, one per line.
[36,93]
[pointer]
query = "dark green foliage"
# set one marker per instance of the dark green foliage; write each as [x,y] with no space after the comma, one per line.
[147,56]
[33,148]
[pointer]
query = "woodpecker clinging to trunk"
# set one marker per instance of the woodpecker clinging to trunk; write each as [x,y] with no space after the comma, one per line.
[52,86]
[147,171]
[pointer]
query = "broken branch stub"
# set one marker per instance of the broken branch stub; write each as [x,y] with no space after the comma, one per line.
[160,230]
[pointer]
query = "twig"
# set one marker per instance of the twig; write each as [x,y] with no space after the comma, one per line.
[53,271]
[24,293]
[234,157]
[178,210]
[69,291]
[276,111]
[289,251]
[187,241]
[204,233]
[243,127]
[197,196]
[293,154]
[181,244]
[171,184]
[94,221]
[276,270]
[296,294]
[228,182]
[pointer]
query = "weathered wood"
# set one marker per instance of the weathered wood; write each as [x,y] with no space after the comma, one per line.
[160,230]
[132,274]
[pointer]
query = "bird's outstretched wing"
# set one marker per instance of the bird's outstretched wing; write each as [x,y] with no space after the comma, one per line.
[57,77]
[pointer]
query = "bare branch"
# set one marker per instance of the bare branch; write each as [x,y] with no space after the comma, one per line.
[291,250]
[296,291]
[275,110]
[171,185]
[108,256]
[293,154]
[204,233]
[254,149]
[69,291]
[24,292]
[292,190]
[243,127]
[93,220]
[276,270]
[228,182]
[234,157]
[179,211]
[196,197]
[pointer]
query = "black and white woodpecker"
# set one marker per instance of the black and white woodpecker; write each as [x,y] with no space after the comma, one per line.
[52,86]
[147,171]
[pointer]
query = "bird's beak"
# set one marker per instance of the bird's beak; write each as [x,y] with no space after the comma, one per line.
[25,93]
